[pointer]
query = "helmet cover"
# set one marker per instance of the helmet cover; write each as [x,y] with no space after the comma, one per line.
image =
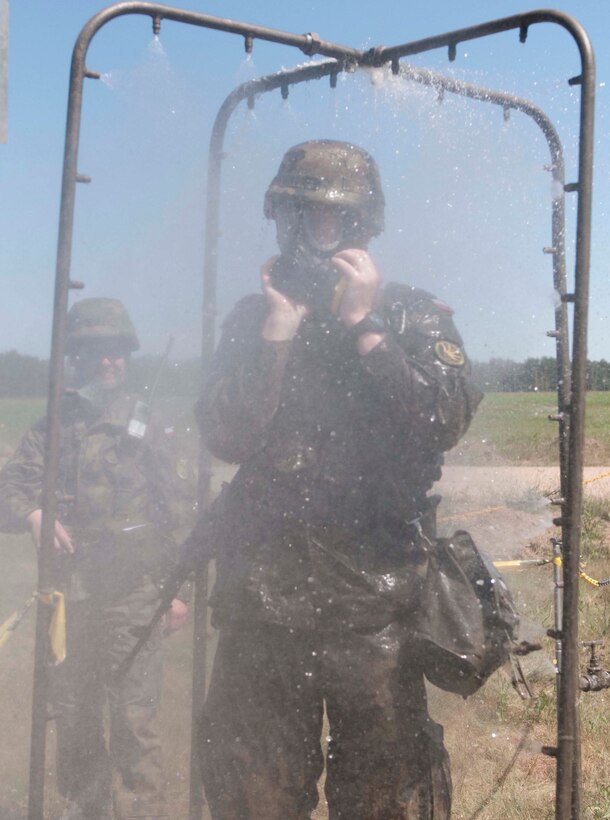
[99,318]
[330,172]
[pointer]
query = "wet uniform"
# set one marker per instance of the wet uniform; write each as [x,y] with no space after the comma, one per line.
[320,561]
[118,498]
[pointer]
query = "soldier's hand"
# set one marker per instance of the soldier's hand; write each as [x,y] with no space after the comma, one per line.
[62,543]
[285,315]
[175,618]
[362,283]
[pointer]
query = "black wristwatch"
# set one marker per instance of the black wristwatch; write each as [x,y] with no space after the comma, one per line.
[371,323]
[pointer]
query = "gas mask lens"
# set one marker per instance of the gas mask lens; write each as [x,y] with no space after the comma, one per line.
[287,220]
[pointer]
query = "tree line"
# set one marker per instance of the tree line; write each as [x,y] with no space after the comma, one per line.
[24,376]
[507,376]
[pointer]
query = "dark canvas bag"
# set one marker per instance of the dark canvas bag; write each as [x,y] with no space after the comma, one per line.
[468,621]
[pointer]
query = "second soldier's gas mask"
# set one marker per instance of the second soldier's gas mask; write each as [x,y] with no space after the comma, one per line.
[308,236]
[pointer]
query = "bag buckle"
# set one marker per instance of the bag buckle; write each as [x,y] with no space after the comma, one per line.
[416,524]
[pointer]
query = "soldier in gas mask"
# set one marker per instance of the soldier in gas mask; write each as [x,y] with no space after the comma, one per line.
[337,397]
[119,496]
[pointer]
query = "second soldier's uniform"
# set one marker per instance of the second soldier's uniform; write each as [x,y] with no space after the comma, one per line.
[118,498]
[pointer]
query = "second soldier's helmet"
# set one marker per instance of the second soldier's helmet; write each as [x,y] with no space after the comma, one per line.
[329,172]
[99,318]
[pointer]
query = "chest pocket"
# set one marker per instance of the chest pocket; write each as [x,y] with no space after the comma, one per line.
[111,479]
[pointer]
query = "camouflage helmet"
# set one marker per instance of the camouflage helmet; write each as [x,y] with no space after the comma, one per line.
[99,318]
[330,172]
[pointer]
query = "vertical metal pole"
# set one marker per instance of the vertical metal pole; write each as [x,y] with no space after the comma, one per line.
[568,790]
[38,729]
[200,625]
[208,337]
[51,453]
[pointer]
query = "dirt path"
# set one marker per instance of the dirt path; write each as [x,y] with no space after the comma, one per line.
[498,482]
[504,508]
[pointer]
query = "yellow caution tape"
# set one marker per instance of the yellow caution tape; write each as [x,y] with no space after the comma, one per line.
[57,626]
[6,628]
[526,562]
[588,579]
[596,478]
[555,560]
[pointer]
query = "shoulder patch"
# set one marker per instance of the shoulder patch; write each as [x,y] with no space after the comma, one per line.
[449,353]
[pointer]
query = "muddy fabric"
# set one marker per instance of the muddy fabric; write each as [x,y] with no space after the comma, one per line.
[331,440]
[120,499]
[320,543]
[98,638]
[260,736]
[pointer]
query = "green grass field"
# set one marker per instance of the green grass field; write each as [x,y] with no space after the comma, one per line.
[514,428]
[510,429]
[16,415]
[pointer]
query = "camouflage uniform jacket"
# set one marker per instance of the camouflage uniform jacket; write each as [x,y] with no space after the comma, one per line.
[117,497]
[337,450]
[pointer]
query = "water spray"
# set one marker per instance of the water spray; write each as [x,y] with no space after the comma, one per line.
[344,58]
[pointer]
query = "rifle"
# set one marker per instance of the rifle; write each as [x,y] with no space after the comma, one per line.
[198,549]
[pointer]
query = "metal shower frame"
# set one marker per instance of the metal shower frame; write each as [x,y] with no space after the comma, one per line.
[283,80]
[572,378]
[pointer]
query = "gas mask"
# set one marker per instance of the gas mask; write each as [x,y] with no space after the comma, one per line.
[308,236]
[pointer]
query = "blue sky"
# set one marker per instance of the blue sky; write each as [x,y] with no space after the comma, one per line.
[468,199]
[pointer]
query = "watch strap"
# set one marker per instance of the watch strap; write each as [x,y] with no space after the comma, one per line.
[371,323]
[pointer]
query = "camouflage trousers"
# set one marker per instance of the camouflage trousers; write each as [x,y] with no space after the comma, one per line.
[126,770]
[260,742]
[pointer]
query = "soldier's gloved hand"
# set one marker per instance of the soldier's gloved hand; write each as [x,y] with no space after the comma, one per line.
[285,315]
[63,542]
[362,284]
[175,618]
[361,293]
